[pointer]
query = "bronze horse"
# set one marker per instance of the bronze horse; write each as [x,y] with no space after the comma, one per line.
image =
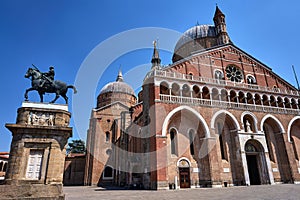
[58,87]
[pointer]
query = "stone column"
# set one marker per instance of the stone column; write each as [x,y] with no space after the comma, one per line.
[38,150]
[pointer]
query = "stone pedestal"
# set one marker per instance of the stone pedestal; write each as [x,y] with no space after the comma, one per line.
[38,150]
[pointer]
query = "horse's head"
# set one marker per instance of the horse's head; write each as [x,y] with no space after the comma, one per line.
[32,73]
[28,73]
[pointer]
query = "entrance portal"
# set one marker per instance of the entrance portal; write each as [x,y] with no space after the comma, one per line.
[258,172]
[184,177]
[253,169]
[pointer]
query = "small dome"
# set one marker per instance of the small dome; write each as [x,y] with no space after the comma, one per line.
[118,86]
[196,32]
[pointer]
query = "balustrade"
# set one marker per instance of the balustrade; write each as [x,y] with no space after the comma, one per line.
[226,104]
[204,80]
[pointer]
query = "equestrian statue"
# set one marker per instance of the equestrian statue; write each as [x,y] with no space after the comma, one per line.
[43,82]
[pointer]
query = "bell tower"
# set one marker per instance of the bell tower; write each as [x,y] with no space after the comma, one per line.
[220,24]
[155,57]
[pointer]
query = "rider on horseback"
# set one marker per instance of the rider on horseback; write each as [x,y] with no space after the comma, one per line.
[48,76]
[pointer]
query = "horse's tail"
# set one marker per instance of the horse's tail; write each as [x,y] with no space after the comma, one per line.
[73,87]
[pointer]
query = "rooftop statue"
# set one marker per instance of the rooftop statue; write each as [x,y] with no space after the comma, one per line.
[43,82]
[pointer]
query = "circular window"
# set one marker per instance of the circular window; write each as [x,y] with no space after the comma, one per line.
[234,74]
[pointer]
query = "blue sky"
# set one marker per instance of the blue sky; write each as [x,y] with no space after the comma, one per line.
[62,33]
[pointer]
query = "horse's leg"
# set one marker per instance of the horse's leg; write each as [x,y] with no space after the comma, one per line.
[41,97]
[56,97]
[65,97]
[26,93]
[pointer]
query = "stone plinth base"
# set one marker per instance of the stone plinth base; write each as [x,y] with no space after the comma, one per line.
[37,153]
[32,192]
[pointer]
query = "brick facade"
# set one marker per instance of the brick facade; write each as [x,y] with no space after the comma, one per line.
[216,117]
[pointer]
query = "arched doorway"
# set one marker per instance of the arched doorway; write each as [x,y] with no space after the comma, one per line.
[251,155]
[186,132]
[184,174]
[277,150]
[226,131]
[256,163]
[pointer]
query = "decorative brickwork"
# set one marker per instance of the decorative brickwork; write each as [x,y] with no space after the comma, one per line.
[216,117]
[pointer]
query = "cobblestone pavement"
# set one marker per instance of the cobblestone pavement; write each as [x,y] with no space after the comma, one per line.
[274,192]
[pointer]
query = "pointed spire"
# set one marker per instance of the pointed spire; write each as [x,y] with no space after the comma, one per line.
[218,12]
[155,57]
[120,76]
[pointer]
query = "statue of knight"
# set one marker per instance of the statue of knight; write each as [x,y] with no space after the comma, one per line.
[45,83]
[48,76]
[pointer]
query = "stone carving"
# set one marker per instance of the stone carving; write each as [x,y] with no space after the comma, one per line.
[42,119]
[248,127]
[51,120]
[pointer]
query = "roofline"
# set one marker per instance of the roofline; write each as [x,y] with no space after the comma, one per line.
[106,106]
[208,50]
[264,65]
[118,92]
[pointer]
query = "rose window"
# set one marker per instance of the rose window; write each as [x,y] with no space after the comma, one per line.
[234,74]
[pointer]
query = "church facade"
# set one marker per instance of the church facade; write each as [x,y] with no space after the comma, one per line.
[215,117]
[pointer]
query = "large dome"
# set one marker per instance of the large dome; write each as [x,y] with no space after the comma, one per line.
[196,32]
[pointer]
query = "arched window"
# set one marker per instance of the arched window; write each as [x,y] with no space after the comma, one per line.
[196,92]
[275,88]
[273,101]
[219,75]
[1,166]
[205,93]
[287,103]
[164,88]
[233,96]
[265,100]
[215,94]
[173,139]
[107,136]
[250,148]
[175,89]
[221,141]
[269,144]
[251,79]
[224,95]
[294,103]
[191,137]
[5,167]
[250,99]
[241,97]
[257,99]
[186,91]
[280,102]
[294,148]
[108,172]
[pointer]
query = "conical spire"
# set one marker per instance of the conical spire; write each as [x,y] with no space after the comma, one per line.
[218,13]
[120,76]
[220,24]
[155,57]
